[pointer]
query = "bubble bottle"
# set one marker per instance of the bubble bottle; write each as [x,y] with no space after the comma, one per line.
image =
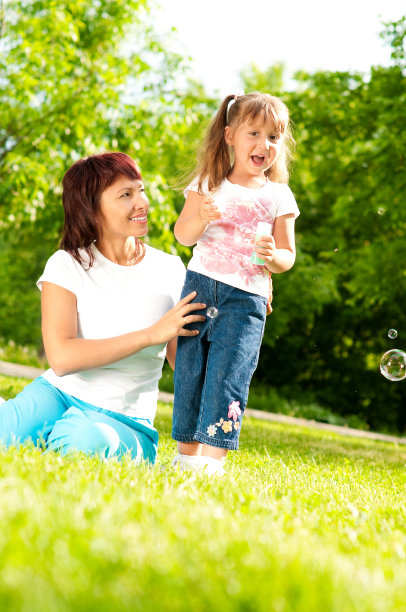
[263,229]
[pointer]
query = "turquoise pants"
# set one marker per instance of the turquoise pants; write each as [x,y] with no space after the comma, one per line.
[43,414]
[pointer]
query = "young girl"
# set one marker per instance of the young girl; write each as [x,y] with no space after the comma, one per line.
[241,180]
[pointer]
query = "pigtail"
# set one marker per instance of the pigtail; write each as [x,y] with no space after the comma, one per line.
[215,162]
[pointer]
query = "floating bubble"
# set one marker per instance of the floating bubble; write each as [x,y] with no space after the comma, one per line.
[393,365]
[212,312]
[381,211]
[392,334]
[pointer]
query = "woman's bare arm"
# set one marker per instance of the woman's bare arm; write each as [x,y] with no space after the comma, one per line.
[66,353]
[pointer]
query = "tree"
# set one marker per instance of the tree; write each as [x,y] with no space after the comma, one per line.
[348,285]
[76,78]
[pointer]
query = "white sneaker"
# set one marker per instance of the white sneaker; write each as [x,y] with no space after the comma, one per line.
[212,466]
[187,462]
[196,463]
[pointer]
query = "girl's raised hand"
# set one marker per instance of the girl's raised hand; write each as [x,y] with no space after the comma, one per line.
[265,248]
[172,323]
[208,210]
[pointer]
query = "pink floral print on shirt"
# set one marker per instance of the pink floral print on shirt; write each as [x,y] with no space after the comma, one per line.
[227,244]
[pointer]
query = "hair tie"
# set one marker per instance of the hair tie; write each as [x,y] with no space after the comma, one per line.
[239,93]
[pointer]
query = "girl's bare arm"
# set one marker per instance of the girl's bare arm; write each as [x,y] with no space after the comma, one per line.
[279,251]
[197,213]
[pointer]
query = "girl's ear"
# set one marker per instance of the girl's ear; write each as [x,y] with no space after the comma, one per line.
[228,135]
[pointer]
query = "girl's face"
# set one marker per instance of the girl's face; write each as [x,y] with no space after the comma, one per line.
[256,144]
[123,209]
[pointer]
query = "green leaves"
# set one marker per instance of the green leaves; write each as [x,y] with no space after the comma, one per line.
[333,310]
[85,76]
[76,78]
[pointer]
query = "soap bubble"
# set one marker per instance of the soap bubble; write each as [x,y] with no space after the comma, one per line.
[393,365]
[392,334]
[381,211]
[212,312]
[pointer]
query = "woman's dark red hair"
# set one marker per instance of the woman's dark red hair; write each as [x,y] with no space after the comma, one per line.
[83,185]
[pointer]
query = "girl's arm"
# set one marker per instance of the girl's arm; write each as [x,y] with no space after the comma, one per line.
[66,353]
[197,213]
[279,250]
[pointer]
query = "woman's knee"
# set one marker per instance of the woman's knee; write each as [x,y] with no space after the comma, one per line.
[79,430]
[31,415]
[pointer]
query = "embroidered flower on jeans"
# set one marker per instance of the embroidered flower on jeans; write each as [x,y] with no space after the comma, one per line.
[234,410]
[219,424]
[212,430]
[236,425]
[227,426]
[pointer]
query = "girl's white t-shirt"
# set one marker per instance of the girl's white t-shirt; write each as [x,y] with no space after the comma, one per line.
[223,252]
[114,300]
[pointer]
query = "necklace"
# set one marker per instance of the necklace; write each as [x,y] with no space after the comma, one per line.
[141,252]
[130,259]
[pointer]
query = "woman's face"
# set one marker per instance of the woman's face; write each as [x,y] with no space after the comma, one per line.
[123,209]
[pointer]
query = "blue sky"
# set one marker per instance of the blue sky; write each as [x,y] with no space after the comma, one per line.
[224,36]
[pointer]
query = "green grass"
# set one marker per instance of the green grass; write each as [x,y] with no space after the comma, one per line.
[10,386]
[304,521]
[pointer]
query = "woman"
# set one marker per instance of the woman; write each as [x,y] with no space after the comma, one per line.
[109,316]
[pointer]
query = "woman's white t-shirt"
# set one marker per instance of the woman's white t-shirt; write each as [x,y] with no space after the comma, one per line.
[223,252]
[114,300]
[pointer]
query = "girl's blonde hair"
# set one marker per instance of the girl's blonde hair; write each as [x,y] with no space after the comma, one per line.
[215,158]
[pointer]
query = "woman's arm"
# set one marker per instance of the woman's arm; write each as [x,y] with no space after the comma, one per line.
[279,251]
[196,214]
[66,353]
[171,352]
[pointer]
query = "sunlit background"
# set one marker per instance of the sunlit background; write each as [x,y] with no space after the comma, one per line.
[223,37]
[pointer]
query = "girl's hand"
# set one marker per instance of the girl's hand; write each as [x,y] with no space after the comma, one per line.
[172,323]
[265,248]
[208,210]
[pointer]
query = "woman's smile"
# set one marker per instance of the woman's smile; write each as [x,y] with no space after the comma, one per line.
[139,219]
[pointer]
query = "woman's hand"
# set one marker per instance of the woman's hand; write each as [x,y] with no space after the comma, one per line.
[172,323]
[208,210]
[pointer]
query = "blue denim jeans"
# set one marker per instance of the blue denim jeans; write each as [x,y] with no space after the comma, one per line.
[213,370]
[45,415]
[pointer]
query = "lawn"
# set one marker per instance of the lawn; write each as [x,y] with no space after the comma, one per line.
[304,520]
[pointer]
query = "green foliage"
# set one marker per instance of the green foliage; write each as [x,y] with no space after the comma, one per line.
[81,77]
[269,399]
[332,311]
[303,520]
[11,386]
[24,355]
[78,78]
[395,35]
[269,80]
